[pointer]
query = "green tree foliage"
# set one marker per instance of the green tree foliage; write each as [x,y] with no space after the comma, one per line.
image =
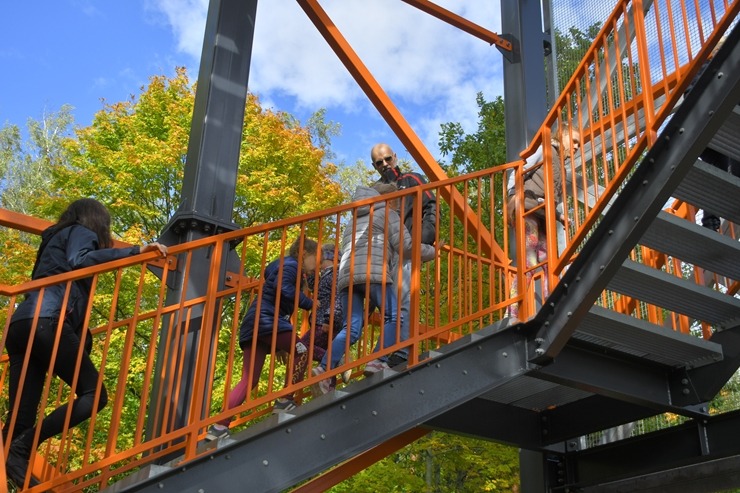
[25,179]
[281,173]
[25,165]
[440,463]
[132,159]
[484,148]
[570,47]
[464,153]
[358,174]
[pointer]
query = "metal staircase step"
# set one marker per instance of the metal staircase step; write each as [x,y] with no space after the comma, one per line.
[726,139]
[694,244]
[676,294]
[618,332]
[711,189]
[532,393]
[280,451]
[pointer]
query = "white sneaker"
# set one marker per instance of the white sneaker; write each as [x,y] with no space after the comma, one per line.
[322,386]
[374,367]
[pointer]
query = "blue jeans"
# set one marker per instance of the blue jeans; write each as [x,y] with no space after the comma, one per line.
[405,303]
[359,297]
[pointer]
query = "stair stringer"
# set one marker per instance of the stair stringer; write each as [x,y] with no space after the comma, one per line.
[286,449]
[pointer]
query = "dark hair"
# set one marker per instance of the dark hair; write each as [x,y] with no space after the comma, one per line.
[327,251]
[91,214]
[309,246]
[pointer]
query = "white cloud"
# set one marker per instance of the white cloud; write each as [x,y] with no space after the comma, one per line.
[187,19]
[423,64]
[576,13]
[87,7]
[11,54]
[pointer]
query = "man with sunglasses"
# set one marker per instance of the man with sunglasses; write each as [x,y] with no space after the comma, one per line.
[385,163]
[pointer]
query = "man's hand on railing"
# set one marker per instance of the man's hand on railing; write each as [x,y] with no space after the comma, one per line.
[440,244]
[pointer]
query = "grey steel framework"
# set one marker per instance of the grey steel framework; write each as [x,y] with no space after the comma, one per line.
[538,385]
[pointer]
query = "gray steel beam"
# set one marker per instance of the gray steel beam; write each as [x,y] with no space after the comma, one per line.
[537,430]
[666,163]
[486,419]
[564,424]
[533,471]
[685,455]
[284,450]
[629,335]
[709,380]
[446,392]
[524,73]
[674,293]
[625,379]
[712,189]
[207,196]
[687,388]
[711,475]
[692,243]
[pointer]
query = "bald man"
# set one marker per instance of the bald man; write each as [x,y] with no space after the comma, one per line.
[385,163]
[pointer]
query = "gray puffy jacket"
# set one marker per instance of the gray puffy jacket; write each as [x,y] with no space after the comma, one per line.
[368,249]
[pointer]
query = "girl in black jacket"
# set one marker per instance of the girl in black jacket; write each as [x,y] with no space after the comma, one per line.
[80,238]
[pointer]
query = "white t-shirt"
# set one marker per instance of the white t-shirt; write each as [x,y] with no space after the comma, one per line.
[535,158]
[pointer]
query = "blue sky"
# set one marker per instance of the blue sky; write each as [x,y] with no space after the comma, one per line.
[81,51]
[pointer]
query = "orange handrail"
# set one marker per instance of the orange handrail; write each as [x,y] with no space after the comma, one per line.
[617,118]
[463,289]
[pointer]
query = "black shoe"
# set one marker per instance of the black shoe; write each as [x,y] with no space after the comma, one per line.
[283,406]
[16,465]
[216,432]
[397,359]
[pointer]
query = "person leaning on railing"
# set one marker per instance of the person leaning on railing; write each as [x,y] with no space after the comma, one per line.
[80,238]
[259,324]
[535,240]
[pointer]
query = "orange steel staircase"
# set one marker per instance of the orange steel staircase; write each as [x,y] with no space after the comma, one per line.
[642,317]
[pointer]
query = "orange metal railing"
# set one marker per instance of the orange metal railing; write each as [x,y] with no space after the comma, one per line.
[617,99]
[458,292]
[626,87]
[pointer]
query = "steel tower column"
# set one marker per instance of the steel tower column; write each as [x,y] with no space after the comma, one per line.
[525,98]
[208,191]
[525,90]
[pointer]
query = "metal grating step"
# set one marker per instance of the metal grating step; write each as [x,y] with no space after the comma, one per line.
[533,393]
[726,139]
[694,244]
[678,295]
[713,189]
[618,332]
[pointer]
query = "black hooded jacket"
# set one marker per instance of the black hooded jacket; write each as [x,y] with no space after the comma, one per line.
[70,248]
[428,203]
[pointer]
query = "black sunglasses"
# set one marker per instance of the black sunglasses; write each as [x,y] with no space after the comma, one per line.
[379,162]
